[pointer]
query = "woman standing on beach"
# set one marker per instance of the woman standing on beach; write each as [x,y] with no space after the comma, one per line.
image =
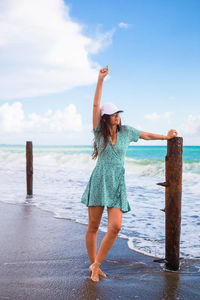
[106,186]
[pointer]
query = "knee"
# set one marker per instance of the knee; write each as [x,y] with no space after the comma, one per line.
[93,227]
[114,229]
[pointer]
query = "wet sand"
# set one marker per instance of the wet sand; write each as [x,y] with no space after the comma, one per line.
[42,257]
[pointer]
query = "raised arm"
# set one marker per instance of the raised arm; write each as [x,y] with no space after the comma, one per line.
[153,136]
[97,97]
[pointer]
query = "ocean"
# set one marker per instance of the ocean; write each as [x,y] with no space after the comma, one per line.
[61,174]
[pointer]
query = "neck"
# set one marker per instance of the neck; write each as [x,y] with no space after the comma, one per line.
[113,130]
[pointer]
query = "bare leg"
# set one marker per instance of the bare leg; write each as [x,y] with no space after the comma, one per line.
[94,219]
[114,226]
[94,215]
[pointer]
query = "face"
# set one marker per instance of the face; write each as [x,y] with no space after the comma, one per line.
[115,119]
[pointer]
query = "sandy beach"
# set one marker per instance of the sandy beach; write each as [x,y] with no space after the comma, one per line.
[42,257]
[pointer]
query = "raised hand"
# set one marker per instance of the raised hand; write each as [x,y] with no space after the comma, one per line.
[103,72]
[171,134]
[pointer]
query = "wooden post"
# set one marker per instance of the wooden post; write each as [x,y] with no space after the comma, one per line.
[173,193]
[173,163]
[29,168]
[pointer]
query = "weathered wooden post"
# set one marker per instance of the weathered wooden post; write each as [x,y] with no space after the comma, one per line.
[29,168]
[173,193]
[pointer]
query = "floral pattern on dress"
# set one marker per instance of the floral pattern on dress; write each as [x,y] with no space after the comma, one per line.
[106,185]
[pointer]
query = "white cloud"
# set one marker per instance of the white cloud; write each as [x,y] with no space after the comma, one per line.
[191,126]
[12,120]
[43,50]
[124,25]
[154,116]
[101,41]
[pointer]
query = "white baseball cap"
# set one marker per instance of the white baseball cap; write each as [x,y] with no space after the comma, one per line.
[109,109]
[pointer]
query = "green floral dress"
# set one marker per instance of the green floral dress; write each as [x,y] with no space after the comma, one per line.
[106,186]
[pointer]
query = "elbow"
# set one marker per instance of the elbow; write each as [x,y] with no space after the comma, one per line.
[146,137]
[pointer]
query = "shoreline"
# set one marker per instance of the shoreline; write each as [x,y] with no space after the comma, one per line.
[196,259]
[76,222]
[100,230]
[45,257]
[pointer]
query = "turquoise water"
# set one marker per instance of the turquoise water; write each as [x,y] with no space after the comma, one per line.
[190,153]
[62,172]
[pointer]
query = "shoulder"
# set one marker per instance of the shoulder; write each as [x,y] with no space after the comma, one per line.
[132,133]
[125,128]
[96,131]
[97,128]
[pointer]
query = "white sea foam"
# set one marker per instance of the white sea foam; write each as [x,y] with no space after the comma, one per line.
[61,175]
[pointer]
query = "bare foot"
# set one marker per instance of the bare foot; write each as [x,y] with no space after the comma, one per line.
[95,271]
[100,271]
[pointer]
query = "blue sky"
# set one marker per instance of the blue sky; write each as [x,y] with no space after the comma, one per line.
[52,50]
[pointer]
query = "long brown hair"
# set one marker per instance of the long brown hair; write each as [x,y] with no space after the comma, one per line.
[104,131]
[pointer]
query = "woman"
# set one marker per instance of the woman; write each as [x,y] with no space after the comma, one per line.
[106,186]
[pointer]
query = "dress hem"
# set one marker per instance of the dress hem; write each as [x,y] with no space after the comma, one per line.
[123,211]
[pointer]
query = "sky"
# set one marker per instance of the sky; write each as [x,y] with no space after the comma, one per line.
[52,50]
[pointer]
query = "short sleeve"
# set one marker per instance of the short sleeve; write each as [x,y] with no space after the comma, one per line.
[133,134]
[97,130]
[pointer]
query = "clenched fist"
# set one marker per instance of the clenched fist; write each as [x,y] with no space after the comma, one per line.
[171,134]
[103,72]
